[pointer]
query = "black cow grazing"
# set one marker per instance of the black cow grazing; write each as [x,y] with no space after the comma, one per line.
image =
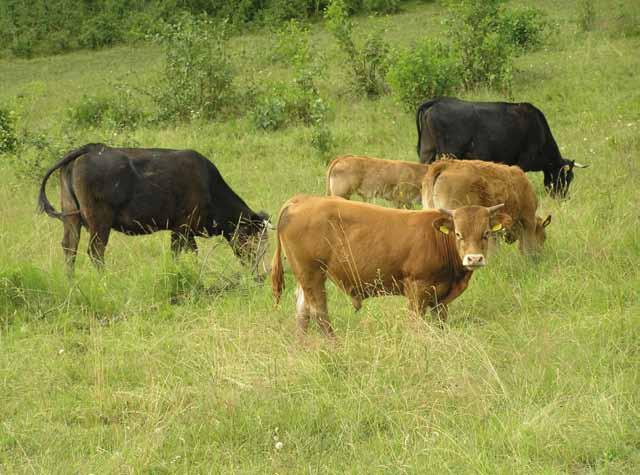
[140,191]
[503,132]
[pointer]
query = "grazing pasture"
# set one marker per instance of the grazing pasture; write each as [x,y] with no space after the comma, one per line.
[157,365]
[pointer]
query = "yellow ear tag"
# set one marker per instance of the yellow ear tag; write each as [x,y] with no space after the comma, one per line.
[444,229]
[496,227]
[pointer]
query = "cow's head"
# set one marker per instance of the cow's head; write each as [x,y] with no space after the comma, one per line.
[249,243]
[557,183]
[472,226]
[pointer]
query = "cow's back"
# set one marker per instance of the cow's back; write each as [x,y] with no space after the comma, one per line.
[455,183]
[144,189]
[358,243]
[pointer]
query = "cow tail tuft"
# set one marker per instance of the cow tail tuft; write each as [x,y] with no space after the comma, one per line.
[277,272]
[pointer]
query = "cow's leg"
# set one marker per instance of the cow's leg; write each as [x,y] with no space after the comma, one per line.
[98,219]
[418,297]
[70,240]
[71,222]
[315,296]
[303,314]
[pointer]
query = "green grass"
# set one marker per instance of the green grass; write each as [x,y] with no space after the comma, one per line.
[155,366]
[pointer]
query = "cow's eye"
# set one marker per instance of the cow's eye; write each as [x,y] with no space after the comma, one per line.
[485,236]
[459,236]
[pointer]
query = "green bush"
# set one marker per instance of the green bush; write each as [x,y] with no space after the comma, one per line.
[101,30]
[428,69]
[114,112]
[198,76]
[369,64]
[486,59]
[322,140]
[523,28]
[381,6]
[270,113]
[23,45]
[8,136]
[299,100]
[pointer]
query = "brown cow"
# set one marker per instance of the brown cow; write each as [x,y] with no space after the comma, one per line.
[369,251]
[394,180]
[454,183]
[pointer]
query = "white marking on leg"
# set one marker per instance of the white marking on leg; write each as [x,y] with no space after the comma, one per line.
[300,304]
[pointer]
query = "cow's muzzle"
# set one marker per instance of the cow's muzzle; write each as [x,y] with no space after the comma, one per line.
[474,261]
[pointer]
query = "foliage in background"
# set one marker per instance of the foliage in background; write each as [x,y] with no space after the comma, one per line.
[198,74]
[8,137]
[297,101]
[428,69]
[483,39]
[486,58]
[119,111]
[524,28]
[54,26]
[369,63]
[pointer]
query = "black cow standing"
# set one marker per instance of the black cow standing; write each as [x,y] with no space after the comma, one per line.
[140,191]
[503,132]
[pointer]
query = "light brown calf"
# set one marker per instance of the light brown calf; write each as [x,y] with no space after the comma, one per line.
[455,183]
[369,251]
[394,180]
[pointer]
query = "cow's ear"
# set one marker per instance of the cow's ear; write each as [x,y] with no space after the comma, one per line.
[444,224]
[546,222]
[500,221]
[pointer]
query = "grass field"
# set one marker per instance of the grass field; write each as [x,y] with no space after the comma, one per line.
[162,366]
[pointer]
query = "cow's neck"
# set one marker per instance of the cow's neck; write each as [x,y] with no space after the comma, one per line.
[452,262]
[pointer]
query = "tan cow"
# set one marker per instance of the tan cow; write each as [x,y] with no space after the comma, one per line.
[394,180]
[369,250]
[454,183]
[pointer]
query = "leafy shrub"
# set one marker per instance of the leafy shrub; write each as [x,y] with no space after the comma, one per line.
[293,46]
[586,15]
[270,113]
[278,11]
[38,151]
[114,112]
[300,100]
[101,30]
[523,28]
[381,6]
[198,75]
[428,69]
[23,45]
[369,64]
[322,140]
[486,59]
[8,136]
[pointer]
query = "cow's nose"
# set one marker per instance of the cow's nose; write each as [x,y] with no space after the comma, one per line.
[474,260]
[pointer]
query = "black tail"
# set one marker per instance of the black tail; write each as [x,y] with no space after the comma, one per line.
[44,206]
[421,110]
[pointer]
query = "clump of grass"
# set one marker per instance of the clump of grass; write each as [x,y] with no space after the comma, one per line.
[586,15]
